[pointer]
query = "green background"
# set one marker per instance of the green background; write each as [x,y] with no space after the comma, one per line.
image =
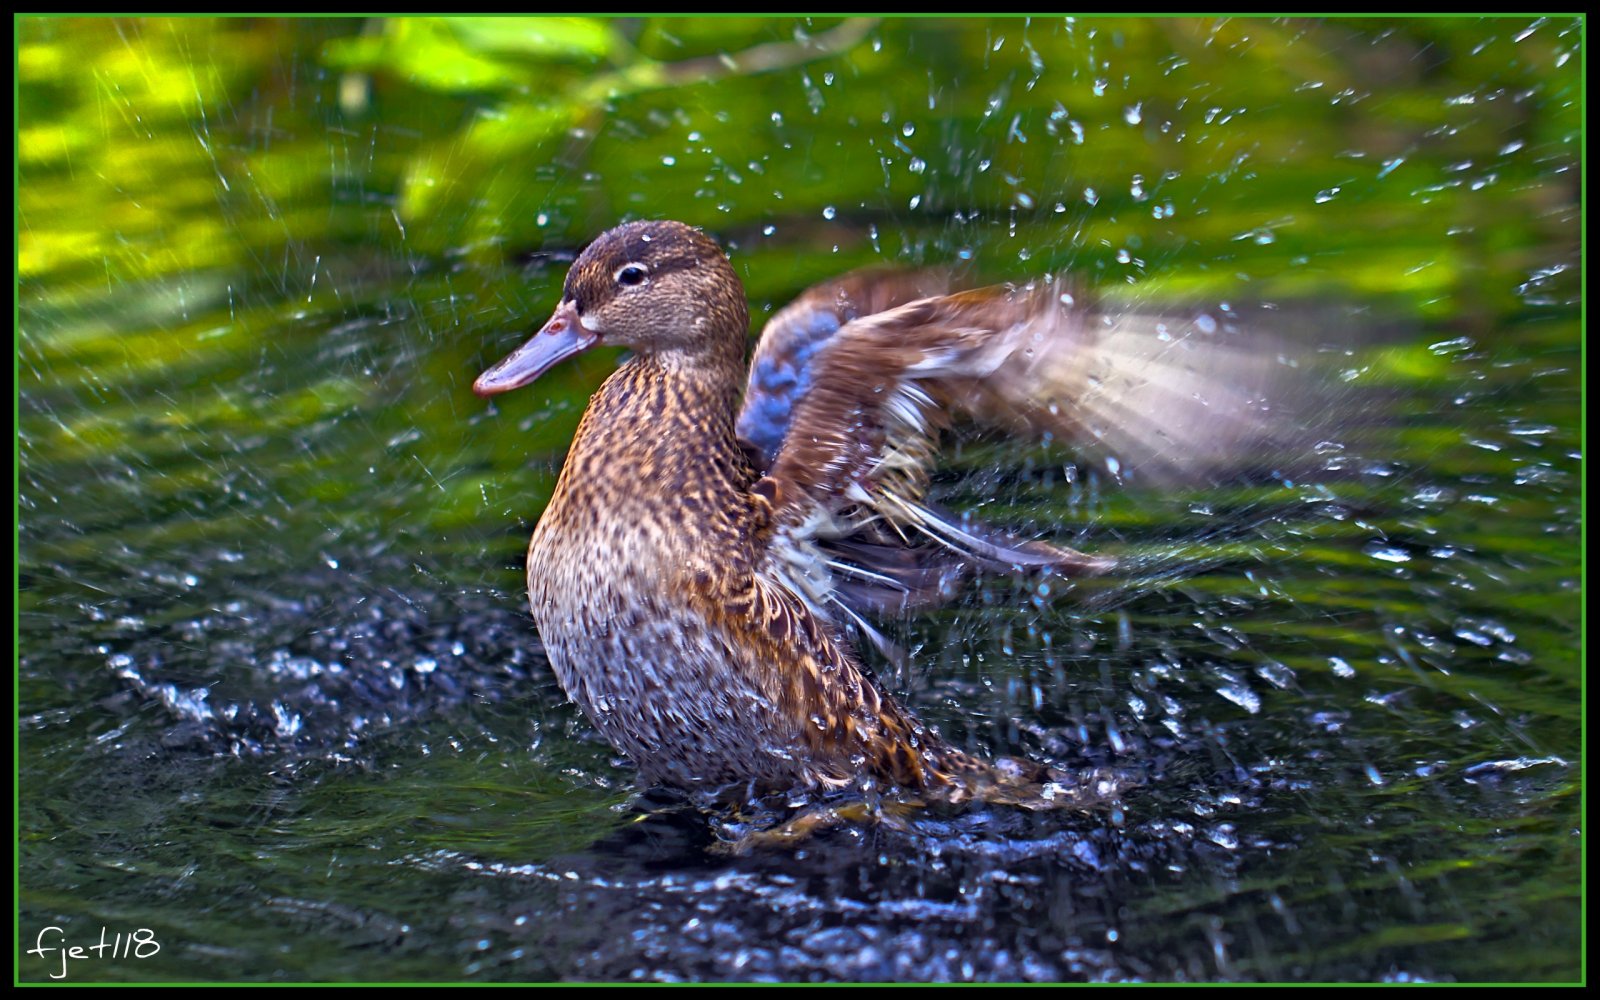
[279,700]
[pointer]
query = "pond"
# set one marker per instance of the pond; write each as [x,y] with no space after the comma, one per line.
[283,715]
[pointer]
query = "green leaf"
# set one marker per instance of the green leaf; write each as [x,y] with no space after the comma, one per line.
[424,51]
[579,38]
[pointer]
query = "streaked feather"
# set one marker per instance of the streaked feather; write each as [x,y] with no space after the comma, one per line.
[1158,398]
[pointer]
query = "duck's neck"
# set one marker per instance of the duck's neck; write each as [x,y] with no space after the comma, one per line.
[664,425]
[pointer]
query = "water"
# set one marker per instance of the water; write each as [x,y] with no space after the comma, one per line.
[279,701]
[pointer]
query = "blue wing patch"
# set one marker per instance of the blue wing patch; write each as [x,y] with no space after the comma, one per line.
[781,376]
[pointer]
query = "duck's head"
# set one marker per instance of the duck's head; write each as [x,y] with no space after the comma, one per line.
[659,288]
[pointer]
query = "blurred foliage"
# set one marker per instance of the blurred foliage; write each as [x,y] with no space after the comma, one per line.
[501,135]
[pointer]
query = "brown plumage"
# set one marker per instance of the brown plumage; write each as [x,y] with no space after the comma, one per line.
[696,581]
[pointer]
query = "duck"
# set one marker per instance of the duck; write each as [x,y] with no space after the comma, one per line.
[705,574]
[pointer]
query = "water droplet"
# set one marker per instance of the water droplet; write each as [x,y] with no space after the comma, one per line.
[1387,553]
[1241,696]
[1279,675]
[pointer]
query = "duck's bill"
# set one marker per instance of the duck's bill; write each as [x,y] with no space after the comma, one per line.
[559,339]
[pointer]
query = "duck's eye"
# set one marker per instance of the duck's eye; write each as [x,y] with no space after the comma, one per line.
[632,274]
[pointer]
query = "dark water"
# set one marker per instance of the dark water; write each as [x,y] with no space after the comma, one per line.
[280,704]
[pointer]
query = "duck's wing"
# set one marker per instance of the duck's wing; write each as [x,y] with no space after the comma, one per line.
[871,565]
[1170,399]
[1156,397]
[780,369]
[811,677]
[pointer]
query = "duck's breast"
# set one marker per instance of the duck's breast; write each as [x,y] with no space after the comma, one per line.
[611,571]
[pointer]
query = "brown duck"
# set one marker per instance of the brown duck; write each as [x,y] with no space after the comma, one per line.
[702,565]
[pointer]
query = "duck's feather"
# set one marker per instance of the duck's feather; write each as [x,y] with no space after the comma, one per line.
[1166,399]
[843,718]
[862,436]
[781,368]
[845,414]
